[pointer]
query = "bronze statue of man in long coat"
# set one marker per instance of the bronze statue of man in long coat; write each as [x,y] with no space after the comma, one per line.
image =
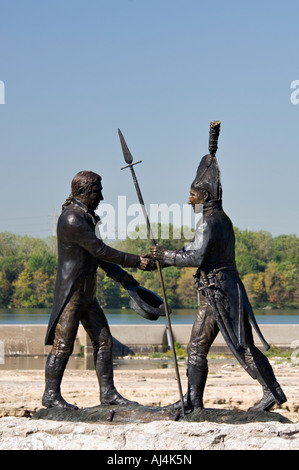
[224,305]
[80,253]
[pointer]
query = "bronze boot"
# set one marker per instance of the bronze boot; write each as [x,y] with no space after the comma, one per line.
[196,383]
[197,378]
[270,398]
[108,393]
[272,392]
[55,367]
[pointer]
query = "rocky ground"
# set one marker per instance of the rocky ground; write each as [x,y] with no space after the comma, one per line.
[228,387]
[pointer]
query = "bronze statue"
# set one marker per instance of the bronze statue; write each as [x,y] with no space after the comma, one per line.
[224,305]
[80,253]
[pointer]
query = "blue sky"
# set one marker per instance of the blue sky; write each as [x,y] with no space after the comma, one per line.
[160,70]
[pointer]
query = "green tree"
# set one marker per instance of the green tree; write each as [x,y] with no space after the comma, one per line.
[42,288]
[186,289]
[249,264]
[254,284]
[268,266]
[255,244]
[286,248]
[46,262]
[274,285]
[22,296]
[4,289]
[109,292]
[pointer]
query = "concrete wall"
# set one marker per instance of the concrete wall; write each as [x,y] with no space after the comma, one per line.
[28,340]
[279,335]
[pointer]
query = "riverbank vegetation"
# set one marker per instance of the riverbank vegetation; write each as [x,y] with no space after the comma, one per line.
[268,266]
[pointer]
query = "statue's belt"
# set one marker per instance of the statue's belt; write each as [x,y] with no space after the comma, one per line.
[200,273]
[210,280]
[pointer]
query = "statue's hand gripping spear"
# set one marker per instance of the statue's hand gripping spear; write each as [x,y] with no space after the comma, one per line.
[129,160]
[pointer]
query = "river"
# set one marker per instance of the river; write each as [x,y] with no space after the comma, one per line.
[129,317]
[120,316]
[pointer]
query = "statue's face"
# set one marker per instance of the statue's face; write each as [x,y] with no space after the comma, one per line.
[95,196]
[196,198]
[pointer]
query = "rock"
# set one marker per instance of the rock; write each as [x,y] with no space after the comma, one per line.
[227,429]
[138,428]
[40,434]
[18,412]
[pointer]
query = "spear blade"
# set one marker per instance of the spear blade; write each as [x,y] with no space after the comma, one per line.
[127,154]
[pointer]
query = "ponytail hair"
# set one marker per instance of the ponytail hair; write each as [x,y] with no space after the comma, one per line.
[67,202]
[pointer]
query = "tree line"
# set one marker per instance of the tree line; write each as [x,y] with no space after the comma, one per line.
[268,266]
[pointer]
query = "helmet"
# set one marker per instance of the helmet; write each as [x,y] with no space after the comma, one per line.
[208,177]
[208,173]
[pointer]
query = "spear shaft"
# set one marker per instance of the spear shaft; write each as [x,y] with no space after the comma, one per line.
[129,160]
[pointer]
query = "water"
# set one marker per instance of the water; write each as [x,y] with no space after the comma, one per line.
[79,363]
[129,317]
[119,316]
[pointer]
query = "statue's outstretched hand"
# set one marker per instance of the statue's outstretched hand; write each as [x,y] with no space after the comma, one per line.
[147,263]
[157,252]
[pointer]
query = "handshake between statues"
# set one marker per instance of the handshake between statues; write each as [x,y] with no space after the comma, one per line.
[148,261]
[157,253]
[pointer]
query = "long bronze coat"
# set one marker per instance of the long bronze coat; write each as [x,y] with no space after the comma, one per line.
[80,252]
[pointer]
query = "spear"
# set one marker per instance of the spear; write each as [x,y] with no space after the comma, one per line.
[129,160]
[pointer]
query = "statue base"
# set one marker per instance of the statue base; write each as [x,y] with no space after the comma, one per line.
[122,414]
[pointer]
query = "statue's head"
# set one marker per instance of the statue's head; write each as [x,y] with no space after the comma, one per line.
[86,186]
[83,182]
[207,184]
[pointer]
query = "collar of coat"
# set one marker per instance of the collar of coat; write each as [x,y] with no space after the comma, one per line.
[96,219]
[212,206]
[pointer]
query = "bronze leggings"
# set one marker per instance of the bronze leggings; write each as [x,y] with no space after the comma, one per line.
[204,332]
[83,306]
